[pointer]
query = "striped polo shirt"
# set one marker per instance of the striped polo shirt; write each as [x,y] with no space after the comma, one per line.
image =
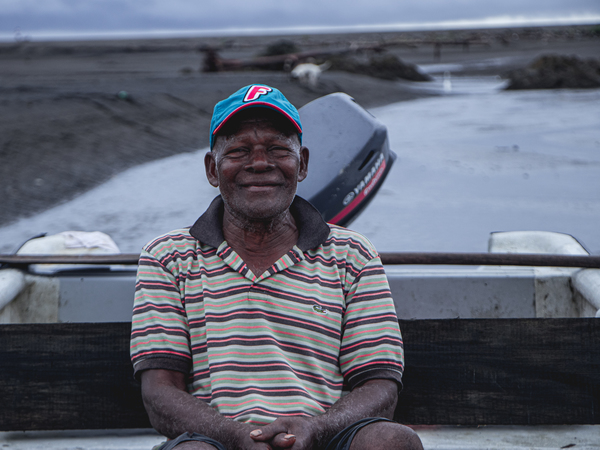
[290,341]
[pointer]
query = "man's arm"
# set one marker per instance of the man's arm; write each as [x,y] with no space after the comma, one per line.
[173,411]
[374,398]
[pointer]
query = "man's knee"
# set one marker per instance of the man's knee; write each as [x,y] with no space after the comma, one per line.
[386,435]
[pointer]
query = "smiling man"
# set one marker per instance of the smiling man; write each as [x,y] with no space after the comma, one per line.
[261,326]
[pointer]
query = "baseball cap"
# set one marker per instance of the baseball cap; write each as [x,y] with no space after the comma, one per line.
[253,96]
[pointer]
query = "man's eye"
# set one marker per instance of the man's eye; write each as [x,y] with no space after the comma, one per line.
[279,152]
[237,153]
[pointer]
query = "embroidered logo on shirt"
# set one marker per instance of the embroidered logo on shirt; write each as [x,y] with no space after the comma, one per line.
[319,309]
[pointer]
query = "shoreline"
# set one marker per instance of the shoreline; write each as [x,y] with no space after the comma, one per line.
[65,130]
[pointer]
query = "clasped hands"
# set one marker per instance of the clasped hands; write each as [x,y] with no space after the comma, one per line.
[295,433]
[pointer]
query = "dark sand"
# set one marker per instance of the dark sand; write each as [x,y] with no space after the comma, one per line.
[64,130]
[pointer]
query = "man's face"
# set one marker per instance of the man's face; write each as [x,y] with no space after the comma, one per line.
[257,169]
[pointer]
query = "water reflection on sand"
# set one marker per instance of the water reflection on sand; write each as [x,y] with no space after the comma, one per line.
[472,161]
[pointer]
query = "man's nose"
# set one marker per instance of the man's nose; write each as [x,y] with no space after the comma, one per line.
[259,160]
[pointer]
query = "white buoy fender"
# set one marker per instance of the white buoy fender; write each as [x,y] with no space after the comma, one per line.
[68,243]
[12,283]
[587,283]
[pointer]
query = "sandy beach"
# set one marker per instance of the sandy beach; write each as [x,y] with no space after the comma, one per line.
[65,129]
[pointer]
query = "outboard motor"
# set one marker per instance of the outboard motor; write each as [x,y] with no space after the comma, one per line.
[349,157]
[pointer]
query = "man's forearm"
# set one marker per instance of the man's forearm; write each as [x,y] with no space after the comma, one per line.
[173,411]
[375,398]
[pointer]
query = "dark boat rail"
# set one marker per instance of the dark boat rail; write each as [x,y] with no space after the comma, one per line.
[398,258]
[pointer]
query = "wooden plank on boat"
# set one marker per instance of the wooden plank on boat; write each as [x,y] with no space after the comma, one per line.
[501,371]
[68,376]
[463,371]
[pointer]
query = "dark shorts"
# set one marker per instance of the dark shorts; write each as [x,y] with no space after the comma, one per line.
[186,437]
[340,441]
[343,439]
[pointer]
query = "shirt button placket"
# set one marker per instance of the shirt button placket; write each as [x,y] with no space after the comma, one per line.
[251,291]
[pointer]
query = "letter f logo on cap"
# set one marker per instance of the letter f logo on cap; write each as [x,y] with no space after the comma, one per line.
[255,91]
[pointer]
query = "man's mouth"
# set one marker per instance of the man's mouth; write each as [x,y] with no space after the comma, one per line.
[260,185]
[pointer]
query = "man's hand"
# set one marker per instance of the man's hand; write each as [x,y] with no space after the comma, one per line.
[296,433]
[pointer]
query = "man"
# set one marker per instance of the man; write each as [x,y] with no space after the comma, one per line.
[250,327]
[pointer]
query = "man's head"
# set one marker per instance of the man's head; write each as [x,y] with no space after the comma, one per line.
[256,157]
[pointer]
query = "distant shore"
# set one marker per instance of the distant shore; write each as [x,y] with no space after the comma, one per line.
[75,114]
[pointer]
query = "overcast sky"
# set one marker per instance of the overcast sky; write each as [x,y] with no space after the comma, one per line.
[42,19]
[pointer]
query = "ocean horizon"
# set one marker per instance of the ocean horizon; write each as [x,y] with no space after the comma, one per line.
[24,35]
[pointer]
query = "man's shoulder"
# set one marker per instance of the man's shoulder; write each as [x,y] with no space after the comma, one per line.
[171,242]
[351,241]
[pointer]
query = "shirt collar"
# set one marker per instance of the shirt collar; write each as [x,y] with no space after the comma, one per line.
[312,229]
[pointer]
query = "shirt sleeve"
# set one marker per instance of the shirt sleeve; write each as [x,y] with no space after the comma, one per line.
[371,344]
[159,329]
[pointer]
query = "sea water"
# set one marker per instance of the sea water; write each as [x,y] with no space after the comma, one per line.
[481,159]
[474,160]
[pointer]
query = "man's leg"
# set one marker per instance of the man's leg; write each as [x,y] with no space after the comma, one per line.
[373,433]
[386,435]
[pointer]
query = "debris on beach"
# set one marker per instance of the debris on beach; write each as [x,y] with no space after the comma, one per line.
[385,66]
[556,72]
[213,62]
[281,47]
[353,60]
[124,95]
[309,73]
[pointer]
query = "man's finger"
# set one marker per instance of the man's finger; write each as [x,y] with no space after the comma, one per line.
[268,432]
[256,433]
[284,440]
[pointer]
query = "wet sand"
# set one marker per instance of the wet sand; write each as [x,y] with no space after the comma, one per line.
[65,129]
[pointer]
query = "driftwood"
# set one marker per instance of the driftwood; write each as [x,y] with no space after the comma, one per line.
[214,63]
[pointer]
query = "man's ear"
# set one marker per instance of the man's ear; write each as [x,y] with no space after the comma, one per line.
[210,166]
[303,172]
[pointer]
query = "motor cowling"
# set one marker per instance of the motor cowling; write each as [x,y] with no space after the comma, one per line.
[349,157]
